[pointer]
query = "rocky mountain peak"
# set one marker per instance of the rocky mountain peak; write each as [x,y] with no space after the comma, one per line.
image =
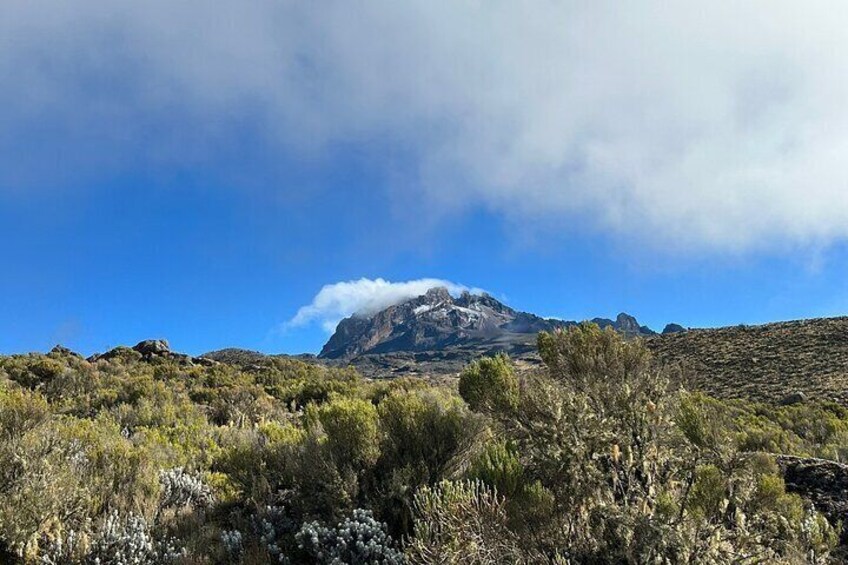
[436,321]
[626,323]
[431,321]
[437,295]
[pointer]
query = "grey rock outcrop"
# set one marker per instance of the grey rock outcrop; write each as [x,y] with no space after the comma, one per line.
[150,350]
[151,347]
[794,398]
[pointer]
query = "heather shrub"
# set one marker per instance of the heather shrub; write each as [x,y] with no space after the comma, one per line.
[428,430]
[426,435]
[351,428]
[463,522]
[498,466]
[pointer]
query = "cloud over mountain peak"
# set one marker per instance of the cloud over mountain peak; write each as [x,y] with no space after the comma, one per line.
[365,297]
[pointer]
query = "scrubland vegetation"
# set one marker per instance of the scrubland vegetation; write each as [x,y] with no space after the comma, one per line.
[600,457]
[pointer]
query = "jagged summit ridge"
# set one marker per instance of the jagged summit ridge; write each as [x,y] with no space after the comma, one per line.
[438,321]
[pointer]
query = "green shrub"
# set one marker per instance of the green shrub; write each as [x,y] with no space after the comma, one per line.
[498,466]
[351,426]
[426,429]
[489,384]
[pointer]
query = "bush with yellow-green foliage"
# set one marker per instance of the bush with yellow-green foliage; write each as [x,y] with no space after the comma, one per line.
[490,384]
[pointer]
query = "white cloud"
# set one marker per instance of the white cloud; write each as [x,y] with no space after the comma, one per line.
[721,125]
[364,297]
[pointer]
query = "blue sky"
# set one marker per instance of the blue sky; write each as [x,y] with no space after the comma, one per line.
[200,175]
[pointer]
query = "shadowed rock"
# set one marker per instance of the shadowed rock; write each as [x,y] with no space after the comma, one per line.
[794,398]
[822,482]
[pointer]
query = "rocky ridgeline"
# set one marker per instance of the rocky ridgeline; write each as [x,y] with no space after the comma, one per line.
[147,350]
[771,362]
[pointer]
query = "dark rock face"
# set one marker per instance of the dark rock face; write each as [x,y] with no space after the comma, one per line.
[673,329]
[433,321]
[625,324]
[438,333]
[822,482]
[62,350]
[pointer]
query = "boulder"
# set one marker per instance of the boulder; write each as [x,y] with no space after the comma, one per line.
[794,398]
[204,362]
[121,351]
[150,347]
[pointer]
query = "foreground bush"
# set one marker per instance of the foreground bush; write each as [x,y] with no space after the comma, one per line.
[632,470]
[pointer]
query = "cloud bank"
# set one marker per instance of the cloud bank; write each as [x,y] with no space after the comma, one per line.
[365,297]
[721,126]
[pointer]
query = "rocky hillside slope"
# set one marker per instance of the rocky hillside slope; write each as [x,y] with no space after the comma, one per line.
[764,362]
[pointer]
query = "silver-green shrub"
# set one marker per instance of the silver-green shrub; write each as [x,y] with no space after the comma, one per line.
[180,488]
[357,540]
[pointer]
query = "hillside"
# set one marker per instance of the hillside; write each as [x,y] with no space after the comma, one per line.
[763,362]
